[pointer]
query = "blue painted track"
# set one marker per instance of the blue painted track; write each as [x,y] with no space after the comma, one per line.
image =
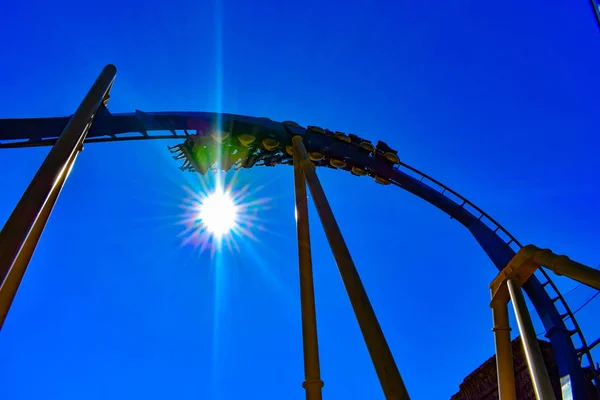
[596,7]
[498,244]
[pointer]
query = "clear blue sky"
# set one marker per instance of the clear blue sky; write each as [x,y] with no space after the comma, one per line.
[496,99]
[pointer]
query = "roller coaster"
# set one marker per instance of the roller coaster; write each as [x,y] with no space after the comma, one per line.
[596,7]
[211,141]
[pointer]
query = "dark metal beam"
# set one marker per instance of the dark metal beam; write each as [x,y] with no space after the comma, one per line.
[21,232]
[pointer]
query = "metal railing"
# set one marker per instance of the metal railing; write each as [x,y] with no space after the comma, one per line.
[510,240]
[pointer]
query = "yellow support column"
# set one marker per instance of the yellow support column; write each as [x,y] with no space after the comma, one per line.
[504,358]
[312,373]
[24,226]
[383,360]
[537,368]
[507,286]
[13,280]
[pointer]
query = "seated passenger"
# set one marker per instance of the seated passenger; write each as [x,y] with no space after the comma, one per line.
[273,161]
[268,160]
[229,156]
[204,159]
[384,148]
[250,160]
[195,142]
[355,139]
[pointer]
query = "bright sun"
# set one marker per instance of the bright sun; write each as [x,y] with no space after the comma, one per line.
[221,216]
[218,213]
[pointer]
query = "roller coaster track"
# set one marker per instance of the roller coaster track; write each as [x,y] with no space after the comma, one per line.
[495,240]
[596,7]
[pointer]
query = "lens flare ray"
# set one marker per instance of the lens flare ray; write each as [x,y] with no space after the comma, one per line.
[220,216]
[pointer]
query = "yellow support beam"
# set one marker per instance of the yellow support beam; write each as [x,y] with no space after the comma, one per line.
[381,355]
[533,354]
[312,372]
[24,227]
[504,356]
[563,265]
[13,280]
[529,259]
[507,286]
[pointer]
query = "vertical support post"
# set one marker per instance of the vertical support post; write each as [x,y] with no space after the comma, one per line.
[504,357]
[312,372]
[381,355]
[537,369]
[19,236]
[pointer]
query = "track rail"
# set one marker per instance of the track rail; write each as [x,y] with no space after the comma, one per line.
[495,240]
[542,275]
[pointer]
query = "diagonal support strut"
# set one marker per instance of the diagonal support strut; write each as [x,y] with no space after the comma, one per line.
[25,225]
[379,350]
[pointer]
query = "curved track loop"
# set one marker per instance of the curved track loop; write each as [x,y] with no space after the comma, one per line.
[495,240]
[515,245]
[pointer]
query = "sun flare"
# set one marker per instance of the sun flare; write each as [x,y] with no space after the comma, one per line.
[218,213]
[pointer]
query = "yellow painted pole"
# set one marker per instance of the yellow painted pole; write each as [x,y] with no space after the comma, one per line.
[504,357]
[563,265]
[537,368]
[11,284]
[312,372]
[560,265]
[27,217]
[381,355]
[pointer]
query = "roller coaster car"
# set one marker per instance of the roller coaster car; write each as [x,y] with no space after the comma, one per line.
[381,180]
[250,160]
[388,152]
[220,136]
[234,156]
[246,139]
[270,143]
[362,143]
[192,141]
[273,160]
[292,124]
[316,129]
[384,148]
[228,159]
[316,155]
[207,155]
[355,139]
[337,162]
[342,137]
[358,170]
[202,159]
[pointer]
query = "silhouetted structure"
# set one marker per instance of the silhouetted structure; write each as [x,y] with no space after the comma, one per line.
[482,384]
[213,141]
